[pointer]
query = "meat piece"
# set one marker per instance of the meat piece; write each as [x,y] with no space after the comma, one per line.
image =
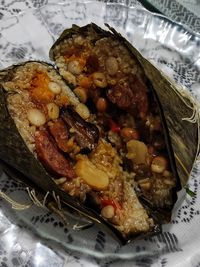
[131,96]
[60,133]
[86,134]
[121,95]
[139,90]
[50,156]
[92,63]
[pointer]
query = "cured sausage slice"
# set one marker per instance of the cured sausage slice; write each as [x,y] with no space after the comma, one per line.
[60,133]
[51,157]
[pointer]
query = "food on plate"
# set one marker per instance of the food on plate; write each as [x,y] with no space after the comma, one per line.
[94,133]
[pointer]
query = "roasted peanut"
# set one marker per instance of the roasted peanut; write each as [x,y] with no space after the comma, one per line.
[129,133]
[99,79]
[108,212]
[54,88]
[36,117]
[145,184]
[81,93]
[74,67]
[159,164]
[112,65]
[53,111]
[101,104]
[83,110]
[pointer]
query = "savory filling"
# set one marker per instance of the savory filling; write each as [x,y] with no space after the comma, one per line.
[110,81]
[105,150]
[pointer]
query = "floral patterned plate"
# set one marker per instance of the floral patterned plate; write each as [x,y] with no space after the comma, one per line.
[33,236]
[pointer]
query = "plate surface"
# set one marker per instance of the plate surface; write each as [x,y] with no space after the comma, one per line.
[35,236]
